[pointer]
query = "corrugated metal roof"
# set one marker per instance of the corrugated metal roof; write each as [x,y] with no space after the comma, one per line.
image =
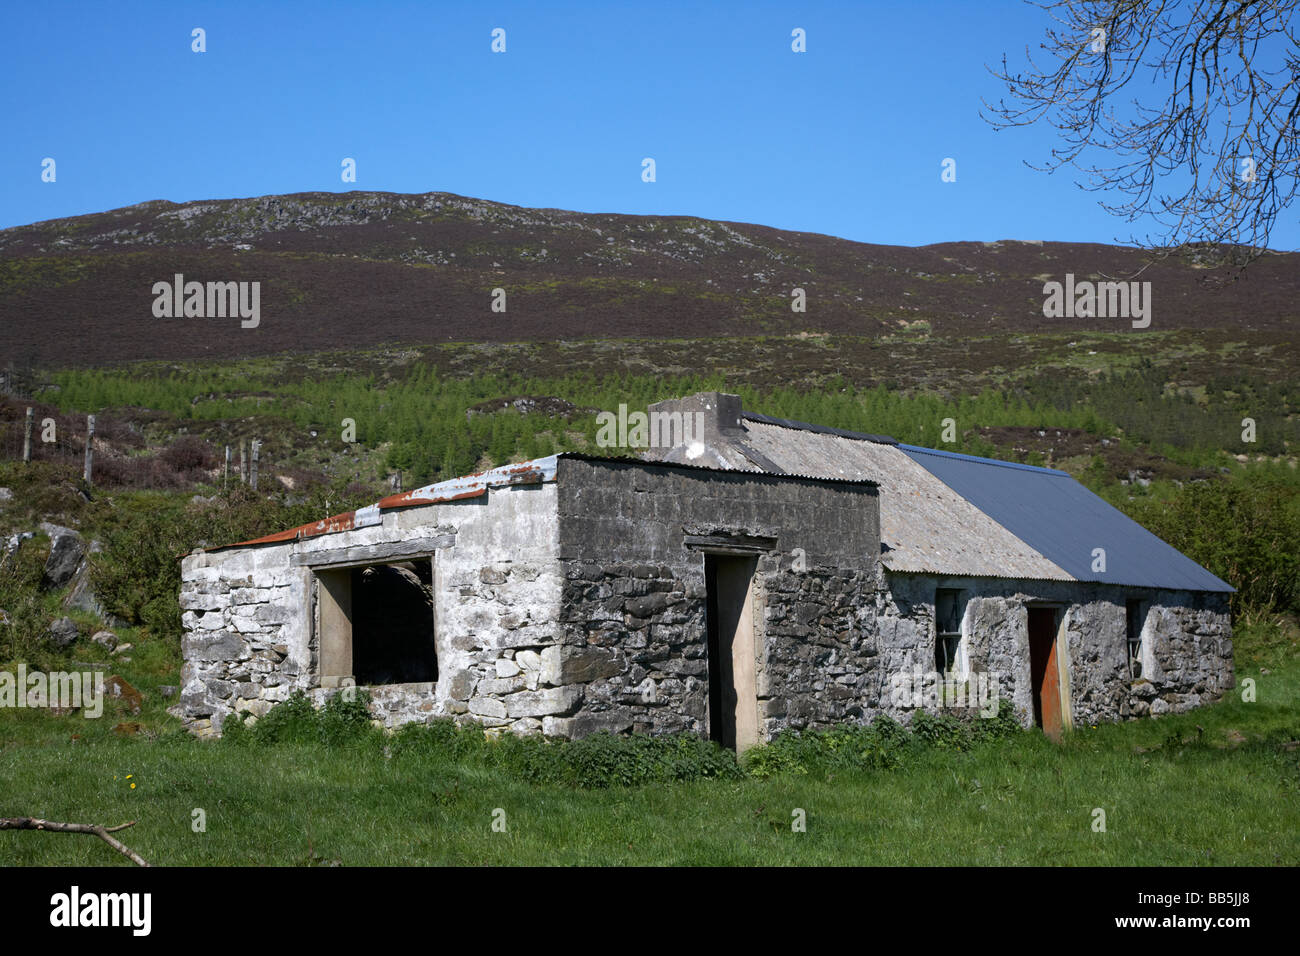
[925,526]
[940,512]
[692,465]
[1065,522]
[818,429]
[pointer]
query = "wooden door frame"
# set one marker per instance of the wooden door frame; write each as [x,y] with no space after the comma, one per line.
[747,732]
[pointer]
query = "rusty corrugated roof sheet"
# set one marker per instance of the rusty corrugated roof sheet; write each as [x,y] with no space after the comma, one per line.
[454,489]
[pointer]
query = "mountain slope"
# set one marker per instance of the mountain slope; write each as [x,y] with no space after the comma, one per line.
[350,270]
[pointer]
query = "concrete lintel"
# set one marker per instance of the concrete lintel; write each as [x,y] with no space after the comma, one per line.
[730,543]
[363,554]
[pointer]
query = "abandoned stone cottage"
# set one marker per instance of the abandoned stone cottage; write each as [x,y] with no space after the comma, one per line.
[750,575]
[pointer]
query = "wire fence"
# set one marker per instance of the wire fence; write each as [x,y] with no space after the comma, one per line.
[51,438]
[120,455]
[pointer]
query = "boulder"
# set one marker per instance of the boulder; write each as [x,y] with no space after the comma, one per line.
[105,639]
[1143,689]
[63,633]
[81,596]
[585,725]
[12,544]
[541,703]
[66,552]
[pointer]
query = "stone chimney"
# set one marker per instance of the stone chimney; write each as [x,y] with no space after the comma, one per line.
[710,419]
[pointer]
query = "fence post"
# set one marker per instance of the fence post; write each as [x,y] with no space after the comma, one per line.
[90,445]
[243,463]
[27,436]
[257,447]
[225,477]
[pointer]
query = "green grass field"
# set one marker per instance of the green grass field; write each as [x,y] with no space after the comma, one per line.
[1218,786]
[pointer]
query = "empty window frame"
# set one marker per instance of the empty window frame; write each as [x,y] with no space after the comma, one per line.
[1134,615]
[376,624]
[947,629]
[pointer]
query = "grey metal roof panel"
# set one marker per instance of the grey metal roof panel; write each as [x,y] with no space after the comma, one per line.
[1065,522]
[925,526]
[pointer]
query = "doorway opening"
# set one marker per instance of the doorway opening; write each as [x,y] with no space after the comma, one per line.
[1044,670]
[733,693]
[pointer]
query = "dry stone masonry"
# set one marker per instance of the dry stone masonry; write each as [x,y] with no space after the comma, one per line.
[577,594]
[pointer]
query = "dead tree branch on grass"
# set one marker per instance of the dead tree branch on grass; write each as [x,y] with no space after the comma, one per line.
[31,823]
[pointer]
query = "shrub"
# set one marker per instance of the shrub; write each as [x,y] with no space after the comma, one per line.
[343,721]
[1244,530]
[769,760]
[438,739]
[22,636]
[188,453]
[1000,726]
[843,747]
[297,721]
[881,746]
[605,760]
[608,760]
[941,731]
[138,574]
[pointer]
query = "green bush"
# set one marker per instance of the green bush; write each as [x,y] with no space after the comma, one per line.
[604,760]
[138,574]
[297,721]
[770,760]
[596,762]
[344,720]
[941,731]
[22,637]
[843,747]
[1244,530]
[439,739]
[883,745]
[608,760]
[1001,725]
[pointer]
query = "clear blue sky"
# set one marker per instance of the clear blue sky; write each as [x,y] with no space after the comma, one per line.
[846,139]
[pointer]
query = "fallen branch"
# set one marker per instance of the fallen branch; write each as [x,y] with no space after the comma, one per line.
[31,823]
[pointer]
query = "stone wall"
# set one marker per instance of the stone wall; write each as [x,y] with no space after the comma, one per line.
[251,634]
[1187,642]
[577,605]
[634,601]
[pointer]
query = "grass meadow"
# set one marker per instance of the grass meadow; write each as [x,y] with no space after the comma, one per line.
[1218,786]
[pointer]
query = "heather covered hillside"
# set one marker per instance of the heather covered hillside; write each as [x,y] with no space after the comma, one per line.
[350,270]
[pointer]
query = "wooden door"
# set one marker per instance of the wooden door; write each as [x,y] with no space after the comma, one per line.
[1044,670]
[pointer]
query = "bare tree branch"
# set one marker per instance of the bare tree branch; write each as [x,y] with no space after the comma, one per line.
[31,823]
[1207,143]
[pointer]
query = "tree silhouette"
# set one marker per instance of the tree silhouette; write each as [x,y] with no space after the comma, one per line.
[1197,105]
